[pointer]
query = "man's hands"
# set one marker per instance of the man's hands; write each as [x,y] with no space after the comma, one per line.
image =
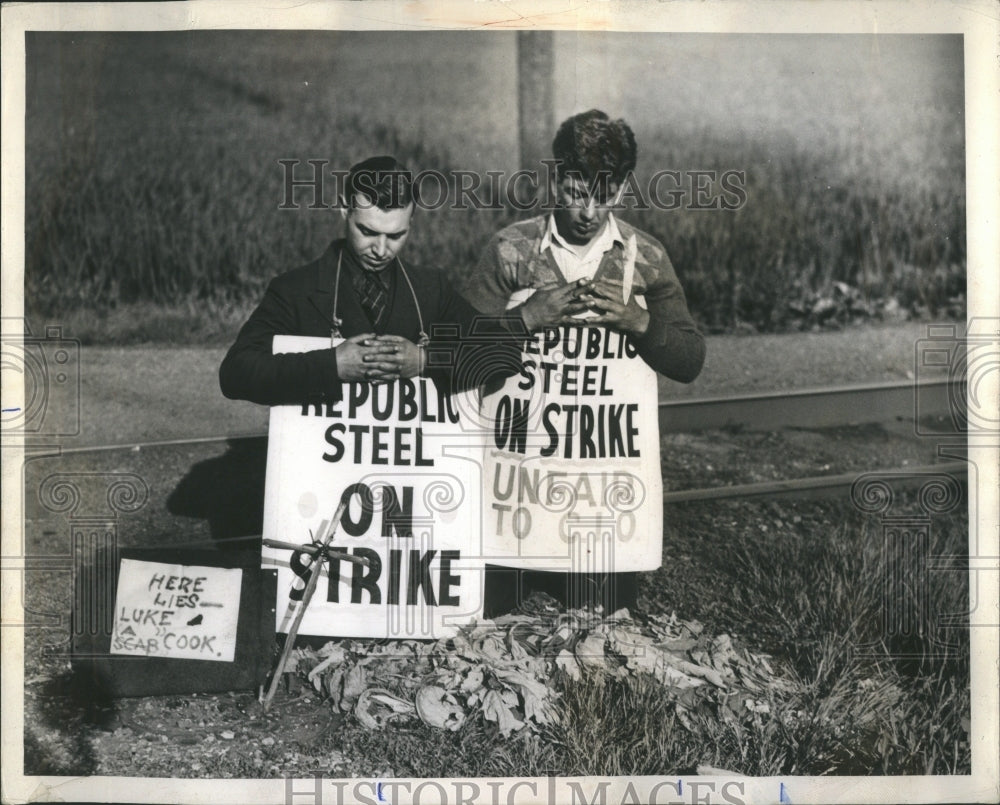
[604,297]
[553,304]
[378,358]
[392,357]
[559,304]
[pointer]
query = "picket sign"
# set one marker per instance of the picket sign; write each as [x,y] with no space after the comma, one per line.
[412,476]
[572,461]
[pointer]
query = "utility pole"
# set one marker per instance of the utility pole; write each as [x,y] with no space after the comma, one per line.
[535,99]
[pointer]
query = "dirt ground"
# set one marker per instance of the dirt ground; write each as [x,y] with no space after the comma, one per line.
[208,494]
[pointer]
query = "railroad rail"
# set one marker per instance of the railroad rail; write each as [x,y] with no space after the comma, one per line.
[821,485]
[799,488]
[816,407]
[793,408]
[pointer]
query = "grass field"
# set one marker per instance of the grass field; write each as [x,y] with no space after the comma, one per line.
[153,181]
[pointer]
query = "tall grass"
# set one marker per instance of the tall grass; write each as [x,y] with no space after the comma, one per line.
[862,702]
[153,179]
[878,701]
[868,701]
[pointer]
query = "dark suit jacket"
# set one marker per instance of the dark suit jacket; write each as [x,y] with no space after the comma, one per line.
[300,302]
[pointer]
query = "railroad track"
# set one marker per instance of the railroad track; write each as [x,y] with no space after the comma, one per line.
[813,407]
[818,407]
[773,410]
[823,485]
[796,408]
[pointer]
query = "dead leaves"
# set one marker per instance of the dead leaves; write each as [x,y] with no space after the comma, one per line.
[499,708]
[505,671]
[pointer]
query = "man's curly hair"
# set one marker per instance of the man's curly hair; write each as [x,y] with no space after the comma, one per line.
[592,147]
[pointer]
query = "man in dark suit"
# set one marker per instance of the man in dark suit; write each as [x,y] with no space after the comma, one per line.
[396,321]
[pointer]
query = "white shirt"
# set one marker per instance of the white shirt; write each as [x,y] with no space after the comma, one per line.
[575,266]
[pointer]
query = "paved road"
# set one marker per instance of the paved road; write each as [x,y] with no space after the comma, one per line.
[137,394]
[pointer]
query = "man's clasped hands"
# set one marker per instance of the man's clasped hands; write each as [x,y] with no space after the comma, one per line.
[381,358]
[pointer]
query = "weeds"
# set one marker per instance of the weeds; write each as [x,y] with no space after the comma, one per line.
[158,209]
[621,727]
[814,596]
[867,702]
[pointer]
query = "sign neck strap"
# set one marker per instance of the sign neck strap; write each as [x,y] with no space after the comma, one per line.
[336,322]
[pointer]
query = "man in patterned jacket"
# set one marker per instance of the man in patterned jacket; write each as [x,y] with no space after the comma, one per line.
[581,262]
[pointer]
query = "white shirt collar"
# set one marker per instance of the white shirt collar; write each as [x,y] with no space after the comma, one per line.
[609,235]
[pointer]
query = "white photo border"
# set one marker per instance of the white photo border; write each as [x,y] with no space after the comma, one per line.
[978,21]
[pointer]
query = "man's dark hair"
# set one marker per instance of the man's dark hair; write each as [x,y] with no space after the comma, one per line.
[384,181]
[595,149]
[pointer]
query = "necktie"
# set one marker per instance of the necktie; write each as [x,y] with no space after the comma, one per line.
[372,294]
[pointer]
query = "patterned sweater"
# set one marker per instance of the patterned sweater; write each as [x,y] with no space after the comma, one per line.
[513,261]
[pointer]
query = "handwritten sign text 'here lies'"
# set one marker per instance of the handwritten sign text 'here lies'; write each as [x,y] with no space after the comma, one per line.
[176,611]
